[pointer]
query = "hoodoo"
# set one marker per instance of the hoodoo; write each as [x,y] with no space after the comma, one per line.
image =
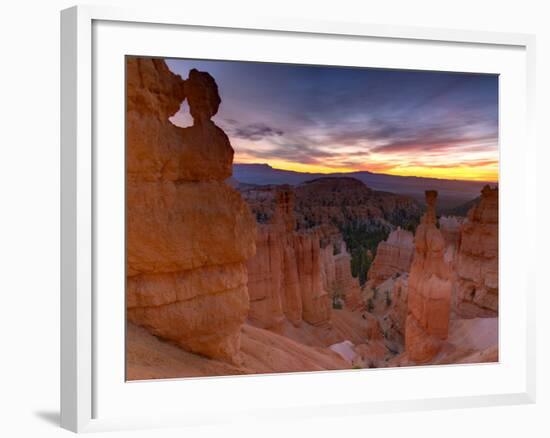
[477,265]
[189,234]
[285,273]
[429,289]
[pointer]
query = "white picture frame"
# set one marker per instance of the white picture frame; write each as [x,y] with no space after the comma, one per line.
[83,387]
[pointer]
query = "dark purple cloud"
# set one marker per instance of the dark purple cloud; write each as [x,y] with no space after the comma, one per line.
[252,131]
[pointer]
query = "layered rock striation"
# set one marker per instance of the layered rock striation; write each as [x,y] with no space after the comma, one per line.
[477,259]
[429,290]
[336,276]
[285,273]
[393,256]
[297,274]
[189,234]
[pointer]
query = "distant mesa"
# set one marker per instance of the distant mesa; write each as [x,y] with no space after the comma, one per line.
[334,201]
[452,193]
[336,182]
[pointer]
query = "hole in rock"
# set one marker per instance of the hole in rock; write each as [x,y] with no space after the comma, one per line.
[183,117]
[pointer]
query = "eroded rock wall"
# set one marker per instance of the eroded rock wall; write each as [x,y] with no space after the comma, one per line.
[477,261]
[273,278]
[397,315]
[393,256]
[450,227]
[336,275]
[188,233]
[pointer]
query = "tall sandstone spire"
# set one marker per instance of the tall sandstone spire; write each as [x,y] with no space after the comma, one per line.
[430,288]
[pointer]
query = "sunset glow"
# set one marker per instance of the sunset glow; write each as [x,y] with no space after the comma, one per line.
[332,119]
[464,172]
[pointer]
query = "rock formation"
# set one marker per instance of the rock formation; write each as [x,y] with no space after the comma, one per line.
[429,290]
[397,315]
[393,256]
[265,279]
[450,227]
[336,275]
[221,281]
[316,304]
[342,200]
[273,280]
[262,351]
[477,262]
[334,201]
[285,273]
[188,233]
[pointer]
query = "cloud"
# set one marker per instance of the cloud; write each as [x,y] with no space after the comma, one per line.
[252,131]
[296,152]
[439,144]
[356,118]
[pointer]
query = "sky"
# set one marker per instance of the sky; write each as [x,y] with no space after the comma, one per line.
[340,119]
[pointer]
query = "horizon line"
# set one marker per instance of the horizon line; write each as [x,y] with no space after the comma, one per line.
[369,171]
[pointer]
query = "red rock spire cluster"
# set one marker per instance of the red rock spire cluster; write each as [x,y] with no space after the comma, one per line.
[285,273]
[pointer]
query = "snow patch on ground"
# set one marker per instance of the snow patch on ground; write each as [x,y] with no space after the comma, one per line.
[345,349]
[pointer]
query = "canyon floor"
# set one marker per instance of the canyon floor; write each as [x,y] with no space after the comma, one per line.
[265,352]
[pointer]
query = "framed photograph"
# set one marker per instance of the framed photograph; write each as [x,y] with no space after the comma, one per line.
[257,207]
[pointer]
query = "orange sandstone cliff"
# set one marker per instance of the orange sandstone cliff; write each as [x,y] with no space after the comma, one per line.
[338,281]
[393,256]
[477,263]
[189,235]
